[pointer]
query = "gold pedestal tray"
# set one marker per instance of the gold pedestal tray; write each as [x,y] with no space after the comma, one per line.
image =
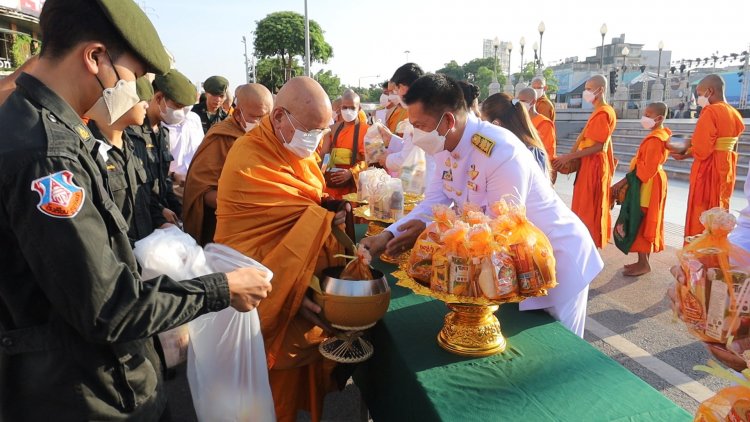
[374,229]
[394,259]
[471,330]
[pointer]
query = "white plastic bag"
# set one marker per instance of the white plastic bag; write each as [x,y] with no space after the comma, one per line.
[175,254]
[227,368]
[413,171]
[374,145]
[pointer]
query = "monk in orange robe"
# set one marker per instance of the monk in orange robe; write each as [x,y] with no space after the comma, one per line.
[269,208]
[199,199]
[647,163]
[346,146]
[543,105]
[594,147]
[543,125]
[714,151]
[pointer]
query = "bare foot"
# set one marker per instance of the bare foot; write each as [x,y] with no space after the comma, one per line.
[628,266]
[635,270]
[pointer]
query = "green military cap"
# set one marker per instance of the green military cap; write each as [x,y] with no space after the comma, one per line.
[144,88]
[177,87]
[138,31]
[216,85]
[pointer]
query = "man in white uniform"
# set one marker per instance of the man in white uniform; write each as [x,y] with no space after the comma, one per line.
[478,162]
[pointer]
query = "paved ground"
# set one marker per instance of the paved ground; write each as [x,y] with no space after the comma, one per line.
[629,320]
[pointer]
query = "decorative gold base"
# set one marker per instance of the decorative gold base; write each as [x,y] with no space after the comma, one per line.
[472,330]
[373,229]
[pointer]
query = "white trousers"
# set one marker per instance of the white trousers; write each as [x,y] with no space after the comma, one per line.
[572,314]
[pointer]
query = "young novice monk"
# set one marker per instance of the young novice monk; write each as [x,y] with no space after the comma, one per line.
[648,163]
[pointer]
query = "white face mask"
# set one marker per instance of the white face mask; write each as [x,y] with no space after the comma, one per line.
[172,116]
[589,96]
[115,102]
[431,142]
[539,92]
[647,122]
[394,98]
[245,125]
[348,115]
[703,101]
[383,99]
[303,144]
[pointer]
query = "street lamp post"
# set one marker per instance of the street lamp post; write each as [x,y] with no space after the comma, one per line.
[247,66]
[407,55]
[523,44]
[541,29]
[509,82]
[536,57]
[307,42]
[603,31]
[621,94]
[494,87]
[657,90]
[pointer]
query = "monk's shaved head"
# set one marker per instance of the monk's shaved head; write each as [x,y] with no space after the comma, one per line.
[527,95]
[658,109]
[538,82]
[711,86]
[349,94]
[307,104]
[254,101]
[336,104]
[598,81]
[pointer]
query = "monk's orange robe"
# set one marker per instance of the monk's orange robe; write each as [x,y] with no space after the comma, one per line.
[714,169]
[398,114]
[269,209]
[648,162]
[342,150]
[203,176]
[546,129]
[362,116]
[591,189]
[545,107]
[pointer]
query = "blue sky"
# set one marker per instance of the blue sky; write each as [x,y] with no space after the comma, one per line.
[369,37]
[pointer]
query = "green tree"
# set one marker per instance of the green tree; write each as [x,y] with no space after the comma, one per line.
[330,83]
[370,94]
[472,67]
[454,70]
[270,72]
[483,78]
[282,35]
[529,73]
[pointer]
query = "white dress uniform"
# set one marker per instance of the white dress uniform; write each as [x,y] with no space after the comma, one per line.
[490,163]
[184,140]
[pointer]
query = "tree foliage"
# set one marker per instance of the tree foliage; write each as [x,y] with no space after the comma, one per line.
[271,73]
[330,83]
[529,73]
[282,35]
[477,71]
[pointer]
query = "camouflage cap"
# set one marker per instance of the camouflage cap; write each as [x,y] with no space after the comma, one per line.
[138,31]
[177,87]
[216,85]
[144,88]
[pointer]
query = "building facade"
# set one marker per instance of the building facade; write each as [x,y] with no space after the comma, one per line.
[503,56]
[19,32]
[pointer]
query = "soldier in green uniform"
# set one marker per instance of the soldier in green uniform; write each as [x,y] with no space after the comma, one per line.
[172,94]
[128,182]
[75,319]
[211,111]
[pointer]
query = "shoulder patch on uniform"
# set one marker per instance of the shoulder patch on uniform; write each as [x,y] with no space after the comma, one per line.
[83,132]
[483,144]
[59,197]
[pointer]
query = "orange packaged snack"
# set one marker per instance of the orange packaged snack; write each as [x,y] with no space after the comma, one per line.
[492,273]
[428,243]
[359,267]
[457,255]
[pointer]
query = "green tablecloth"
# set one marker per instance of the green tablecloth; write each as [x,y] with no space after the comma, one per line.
[546,373]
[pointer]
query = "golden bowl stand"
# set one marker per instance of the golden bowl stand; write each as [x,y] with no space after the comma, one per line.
[471,330]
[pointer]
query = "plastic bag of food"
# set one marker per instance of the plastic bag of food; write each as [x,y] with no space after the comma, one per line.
[367,179]
[729,404]
[457,259]
[492,271]
[715,298]
[413,171]
[532,254]
[227,368]
[359,267]
[374,144]
[428,243]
